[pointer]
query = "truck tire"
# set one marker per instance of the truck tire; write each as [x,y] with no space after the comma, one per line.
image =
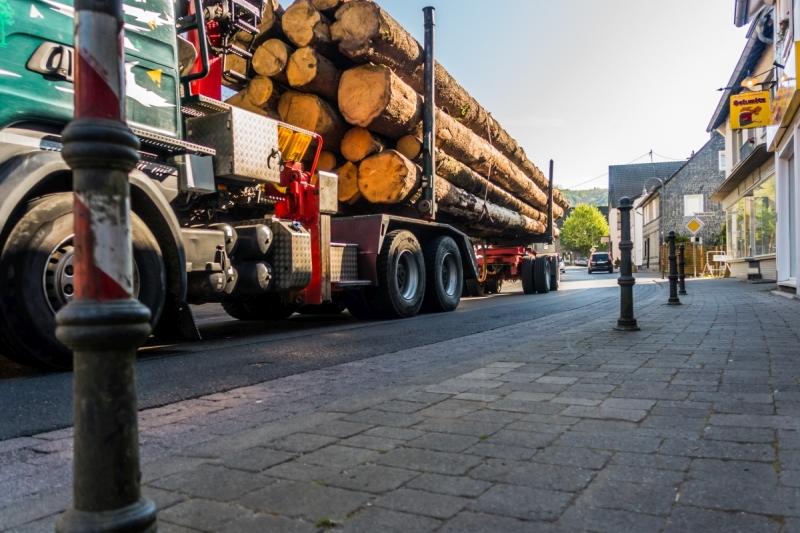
[526,273]
[472,287]
[541,275]
[264,307]
[401,277]
[555,275]
[493,285]
[36,276]
[444,275]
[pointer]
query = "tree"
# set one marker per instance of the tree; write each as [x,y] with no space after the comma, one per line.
[583,229]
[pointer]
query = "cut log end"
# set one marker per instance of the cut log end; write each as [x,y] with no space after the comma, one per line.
[409,146]
[348,183]
[271,57]
[308,70]
[387,178]
[304,25]
[327,161]
[359,143]
[312,113]
[356,23]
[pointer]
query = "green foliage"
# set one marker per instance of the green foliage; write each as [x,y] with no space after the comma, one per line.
[583,229]
[596,196]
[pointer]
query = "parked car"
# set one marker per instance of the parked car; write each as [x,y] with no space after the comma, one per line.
[580,262]
[600,261]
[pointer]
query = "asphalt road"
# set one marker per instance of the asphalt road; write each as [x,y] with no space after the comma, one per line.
[235,354]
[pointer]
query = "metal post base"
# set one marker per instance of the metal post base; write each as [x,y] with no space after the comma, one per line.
[627,325]
[137,518]
[682,292]
[674,301]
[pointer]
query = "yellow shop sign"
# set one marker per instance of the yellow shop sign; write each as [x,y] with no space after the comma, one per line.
[750,110]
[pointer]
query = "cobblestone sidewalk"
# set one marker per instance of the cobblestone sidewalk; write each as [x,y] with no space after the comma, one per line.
[692,424]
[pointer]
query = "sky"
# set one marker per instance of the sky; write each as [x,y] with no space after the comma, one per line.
[588,83]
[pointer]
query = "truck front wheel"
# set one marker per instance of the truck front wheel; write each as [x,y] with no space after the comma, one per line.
[445,275]
[36,280]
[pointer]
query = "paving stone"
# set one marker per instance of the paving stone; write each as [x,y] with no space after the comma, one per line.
[527,406]
[213,482]
[628,403]
[376,519]
[488,523]
[571,400]
[522,502]
[735,434]
[557,380]
[422,502]
[461,427]
[580,517]
[339,428]
[718,449]
[609,493]
[301,442]
[443,442]
[604,413]
[307,500]
[789,459]
[725,471]
[370,478]
[204,515]
[790,478]
[501,451]
[262,523]
[477,397]
[757,421]
[526,439]
[571,456]
[162,498]
[257,459]
[537,475]
[380,444]
[393,433]
[337,456]
[400,406]
[452,485]
[429,461]
[618,442]
[685,519]
[530,396]
[297,471]
[640,474]
[741,497]
[375,417]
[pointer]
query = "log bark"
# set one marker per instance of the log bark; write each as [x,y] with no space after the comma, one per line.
[312,72]
[348,183]
[365,32]
[469,207]
[271,57]
[387,178]
[465,178]
[374,97]
[310,112]
[360,143]
[304,25]
[410,146]
[327,161]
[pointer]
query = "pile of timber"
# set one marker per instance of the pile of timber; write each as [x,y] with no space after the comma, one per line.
[348,71]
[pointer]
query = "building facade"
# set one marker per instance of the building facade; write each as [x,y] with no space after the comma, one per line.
[749,193]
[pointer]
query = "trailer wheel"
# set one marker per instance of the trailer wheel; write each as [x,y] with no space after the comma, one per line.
[401,277]
[444,275]
[541,275]
[36,280]
[526,273]
[555,275]
[472,287]
[265,307]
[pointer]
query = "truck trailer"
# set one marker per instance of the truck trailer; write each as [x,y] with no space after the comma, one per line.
[227,205]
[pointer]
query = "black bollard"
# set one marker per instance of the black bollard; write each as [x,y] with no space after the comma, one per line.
[673,271]
[626,280]
[682,269]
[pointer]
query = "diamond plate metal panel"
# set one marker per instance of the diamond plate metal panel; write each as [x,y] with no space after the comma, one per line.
[291,255]
[246,144]
[344,262]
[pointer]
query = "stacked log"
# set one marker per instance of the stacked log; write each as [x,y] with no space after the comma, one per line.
[347,70]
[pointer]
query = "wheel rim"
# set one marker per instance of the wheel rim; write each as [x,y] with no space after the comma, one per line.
[449,274]
[408,275]
[58,280]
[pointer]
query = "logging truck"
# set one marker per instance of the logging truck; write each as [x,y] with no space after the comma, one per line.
[228,205]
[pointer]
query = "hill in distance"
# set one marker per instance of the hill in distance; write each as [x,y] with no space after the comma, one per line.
[596,196]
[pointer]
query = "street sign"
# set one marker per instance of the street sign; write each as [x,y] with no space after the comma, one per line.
[694,225]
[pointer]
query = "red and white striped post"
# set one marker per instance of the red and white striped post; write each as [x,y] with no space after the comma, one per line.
[104,324]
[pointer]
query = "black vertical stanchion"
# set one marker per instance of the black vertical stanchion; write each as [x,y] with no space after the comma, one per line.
[682,269]
[673,271]
[626,281]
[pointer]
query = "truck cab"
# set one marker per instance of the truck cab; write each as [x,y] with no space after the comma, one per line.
[227,205]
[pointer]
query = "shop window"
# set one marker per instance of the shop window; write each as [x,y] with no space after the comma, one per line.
[692,204]
[751,223]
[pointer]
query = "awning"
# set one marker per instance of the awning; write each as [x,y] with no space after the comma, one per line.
[746,166]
